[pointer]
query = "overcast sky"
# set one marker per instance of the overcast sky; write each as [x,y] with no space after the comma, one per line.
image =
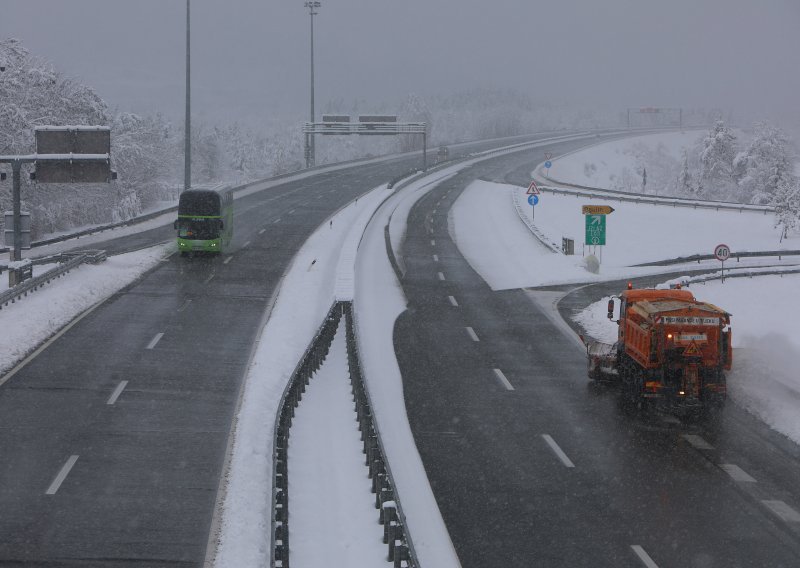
[250,57]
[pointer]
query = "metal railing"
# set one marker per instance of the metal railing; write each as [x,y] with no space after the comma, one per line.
[68,262]
[390,515]
[553,247]
[738,255]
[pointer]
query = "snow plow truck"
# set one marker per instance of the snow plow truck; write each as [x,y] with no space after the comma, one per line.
[671,349]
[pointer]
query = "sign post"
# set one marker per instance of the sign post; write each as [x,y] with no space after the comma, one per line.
[533,197]
[548,163]
[722,253]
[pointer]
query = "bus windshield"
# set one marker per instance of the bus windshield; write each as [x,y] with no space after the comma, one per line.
[198,203]
[199,229]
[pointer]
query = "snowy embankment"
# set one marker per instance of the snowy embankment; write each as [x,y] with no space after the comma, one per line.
[764,380]
[618,164]
[506,254]
[30,321]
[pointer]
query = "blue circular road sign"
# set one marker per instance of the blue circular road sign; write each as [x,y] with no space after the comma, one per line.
[533,199]
[547,164]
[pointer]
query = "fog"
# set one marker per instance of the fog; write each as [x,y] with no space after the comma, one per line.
[251,57]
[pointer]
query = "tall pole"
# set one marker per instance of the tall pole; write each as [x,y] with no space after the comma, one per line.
[310,137]
[187,142]
[16,167]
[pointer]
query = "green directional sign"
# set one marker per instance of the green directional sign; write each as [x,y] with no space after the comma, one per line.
[595,229]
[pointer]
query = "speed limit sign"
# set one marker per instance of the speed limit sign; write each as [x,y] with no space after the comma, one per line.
[722,252]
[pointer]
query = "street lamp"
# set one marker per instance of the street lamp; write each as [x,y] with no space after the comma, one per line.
[310,137]
[187,141]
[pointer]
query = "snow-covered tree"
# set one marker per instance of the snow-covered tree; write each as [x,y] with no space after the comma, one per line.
[786,201]
[718,150]
[764,165]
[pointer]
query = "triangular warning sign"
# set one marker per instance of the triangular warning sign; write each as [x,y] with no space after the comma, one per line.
[532,189]
[692,350]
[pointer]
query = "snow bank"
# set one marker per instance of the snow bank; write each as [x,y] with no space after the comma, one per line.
[31,320]
[499,246]
[305,295]
[608,164]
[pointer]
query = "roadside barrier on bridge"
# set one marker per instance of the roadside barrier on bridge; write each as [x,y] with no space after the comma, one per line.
[390,514]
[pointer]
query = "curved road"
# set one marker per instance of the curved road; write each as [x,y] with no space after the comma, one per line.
[531,466]
[113,438]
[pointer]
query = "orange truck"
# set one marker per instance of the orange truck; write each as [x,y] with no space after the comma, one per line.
[670,347]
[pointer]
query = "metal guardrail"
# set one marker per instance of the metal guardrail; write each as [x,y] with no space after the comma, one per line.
[553,247]
[738,255]
[400,549]
[69,261]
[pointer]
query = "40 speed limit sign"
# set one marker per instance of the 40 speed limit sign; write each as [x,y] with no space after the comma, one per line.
[722,252]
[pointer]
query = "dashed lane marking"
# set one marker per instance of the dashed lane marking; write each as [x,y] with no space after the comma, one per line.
[117,391]
[499,374]
[207,280]
[185,304]
[227,260]
[247,244]
[557,450]
[433,242]
[261,232]
[643,556]
[783,510]
[62,475]
[434,211]
[154,341]
[441,276]
[698,442]
[472,334]
[436,258]
[278,220]
[737,473]
[452,301]
[291,211]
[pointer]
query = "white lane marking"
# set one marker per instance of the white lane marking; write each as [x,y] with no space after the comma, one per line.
[155,340]
[62,475]
[430,231]
[783,510]
[643,556]
[436,258]
[261,232]
[697,442]
[452,301]
[278,220]
[246,244]
[207,280]
[472,334]
[433,243]
[185,304]
[291,211]
[557,450]
[737,473]
[441,276]
[503,379]
[434,211]
[117,391]
[227,260]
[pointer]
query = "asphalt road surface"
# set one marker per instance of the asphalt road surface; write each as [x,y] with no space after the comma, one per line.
[113,438]
[533,466]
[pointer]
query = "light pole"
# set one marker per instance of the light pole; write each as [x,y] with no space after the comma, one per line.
[310,137]
[187,142]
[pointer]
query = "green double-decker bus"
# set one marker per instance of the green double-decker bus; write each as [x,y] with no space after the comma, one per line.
[205,220]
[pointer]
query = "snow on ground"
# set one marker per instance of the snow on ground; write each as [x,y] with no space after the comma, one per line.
[499,246]
[606,164]
[333,518]
[764,378]
[31,320]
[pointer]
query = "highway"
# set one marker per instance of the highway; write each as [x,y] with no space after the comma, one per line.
[114,437]
[532,466]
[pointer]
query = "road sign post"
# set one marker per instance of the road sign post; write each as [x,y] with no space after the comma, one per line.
[722,253]
[533,200]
